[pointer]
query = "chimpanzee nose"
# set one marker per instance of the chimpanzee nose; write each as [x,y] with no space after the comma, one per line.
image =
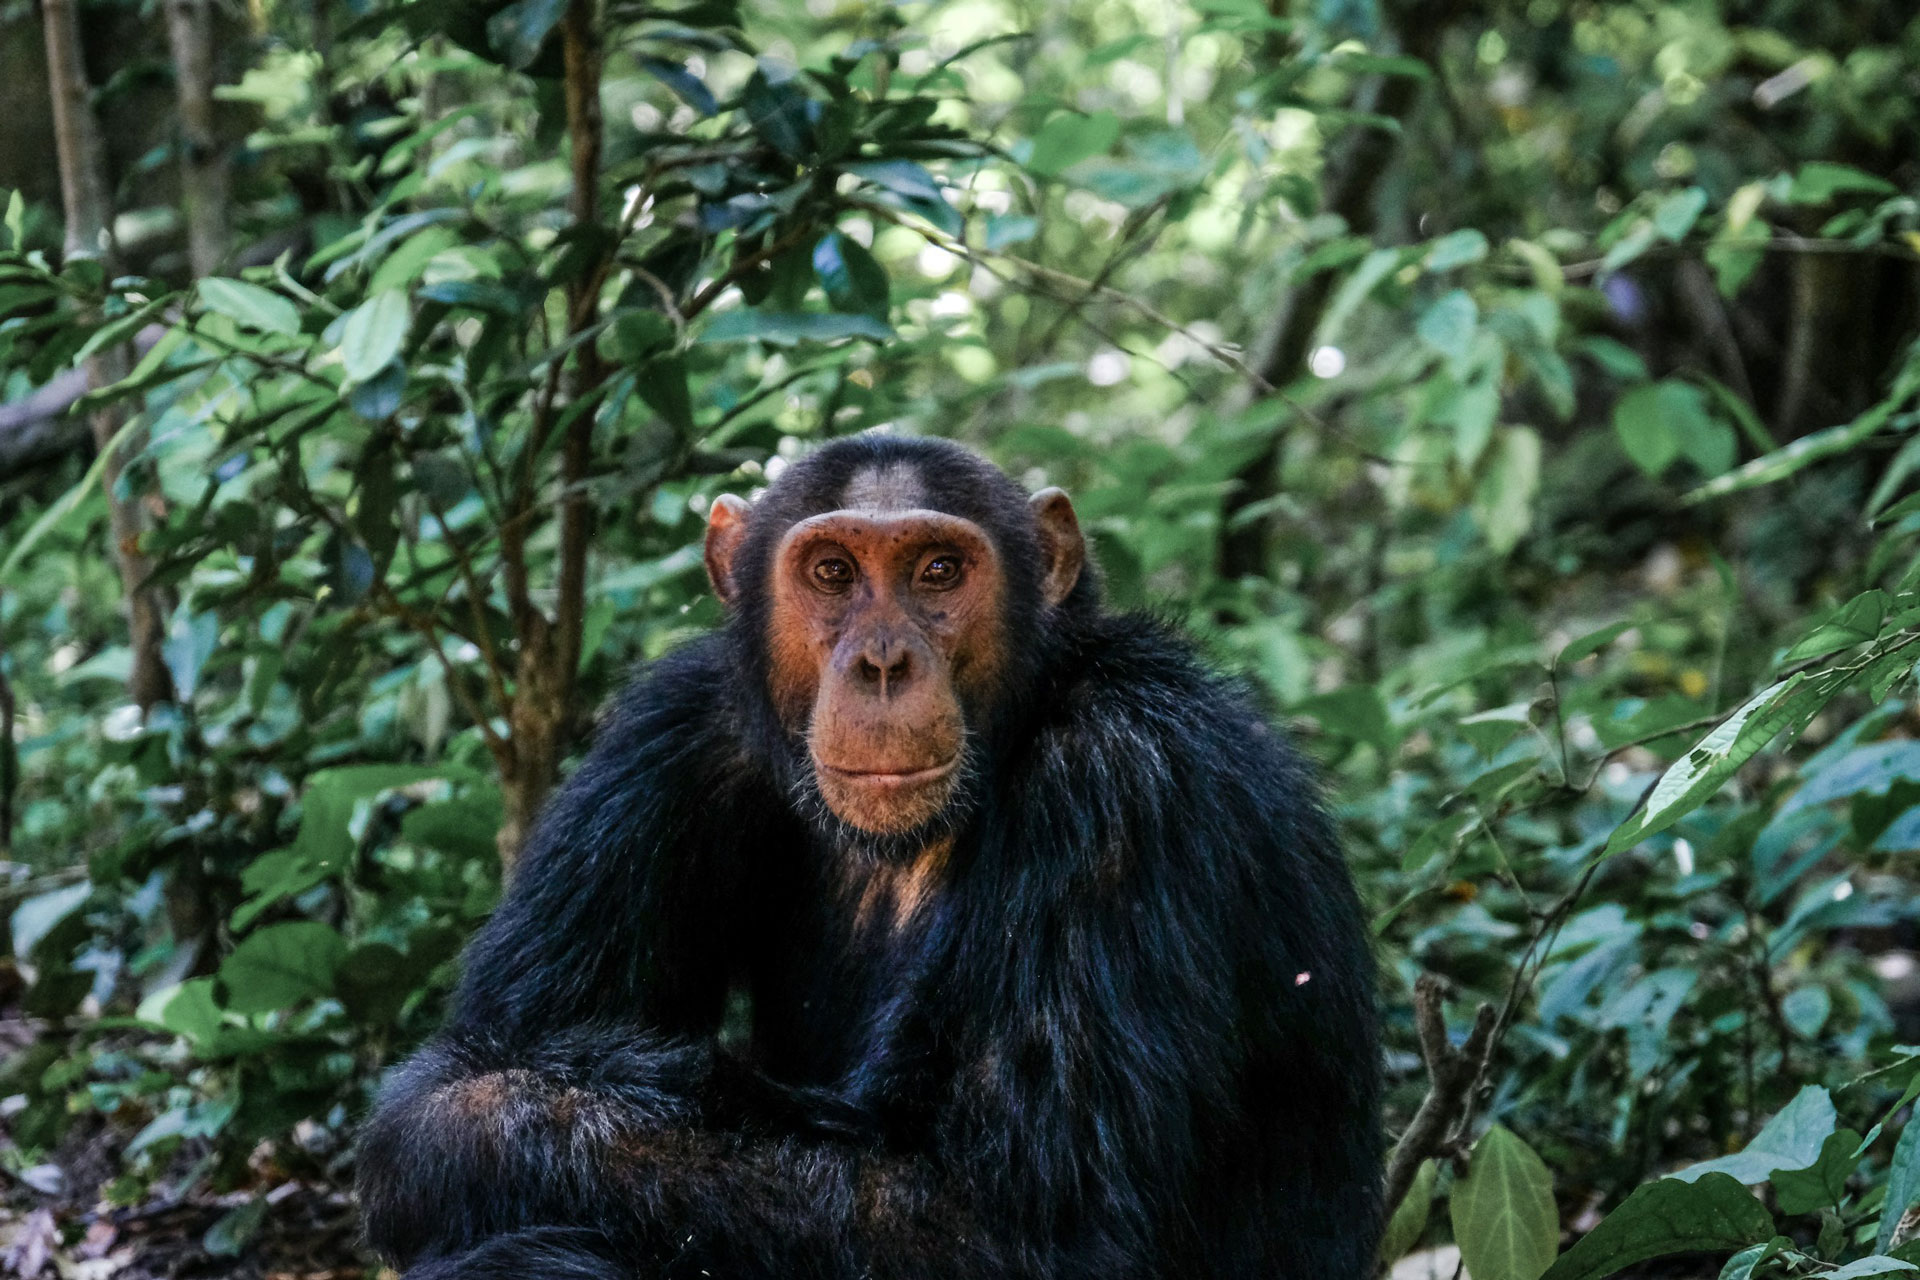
[884,665]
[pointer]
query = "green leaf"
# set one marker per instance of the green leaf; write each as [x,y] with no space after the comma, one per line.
[372,334]
[1456,249]
[1675,215]
[779,110]
[1691,780]
[229,1236]
[35,919]
[1068,138]
[187,1010]
[1903,1184]
[1856,622]
[788,328]
[1666,1217]
[1504,1218]
[1791,1140]
[517,31]
[281,965]
[1823,1183]
[853,280]
[1591,643]
[1819,181]
[1410,1215]
[1448,325]
[662,386]
[1873,1265]
[249,305]
[1802,453]
[1743,1264]
[1806,1010]
[1662,421]
[1873,768]
[1355,711]
[902,177]
[1503,497]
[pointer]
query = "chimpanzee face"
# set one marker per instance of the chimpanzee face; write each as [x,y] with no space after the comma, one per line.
[887,634]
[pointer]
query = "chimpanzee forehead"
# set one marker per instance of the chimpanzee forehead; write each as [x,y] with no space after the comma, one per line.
[885,486]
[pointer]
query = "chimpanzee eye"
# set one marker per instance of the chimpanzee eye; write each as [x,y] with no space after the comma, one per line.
[833,574]
[941,571]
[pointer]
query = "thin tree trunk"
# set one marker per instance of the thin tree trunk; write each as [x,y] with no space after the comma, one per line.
[203,164]
[542,712]
[83,189]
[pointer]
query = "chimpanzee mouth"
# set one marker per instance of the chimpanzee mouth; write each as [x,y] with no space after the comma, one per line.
[891,778]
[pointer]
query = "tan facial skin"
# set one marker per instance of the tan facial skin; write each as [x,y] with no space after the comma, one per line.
[882,621]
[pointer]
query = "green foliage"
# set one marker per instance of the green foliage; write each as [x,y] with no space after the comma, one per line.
[1606,648]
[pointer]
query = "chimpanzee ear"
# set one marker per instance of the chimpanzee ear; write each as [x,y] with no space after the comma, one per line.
[1062,548]
[726,529]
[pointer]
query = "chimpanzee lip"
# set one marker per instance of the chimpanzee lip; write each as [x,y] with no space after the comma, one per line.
[895,778]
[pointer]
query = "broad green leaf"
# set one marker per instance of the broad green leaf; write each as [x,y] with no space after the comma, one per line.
[661,384]
[250,305]
[1856,622]
[1869,769]
[1355,711]
[1823,1183]
[1410,1215]
[187,1009]
[853,280]
[1675,215]
[371,336]
[1448,325]
[1069,138]
[1456,249]
[1791,1140]
[1806,1010]
[1903,1184]
[281,965]
[1504,1218]
[1666,1217]
[779,109]
[327,805]
[1665,420]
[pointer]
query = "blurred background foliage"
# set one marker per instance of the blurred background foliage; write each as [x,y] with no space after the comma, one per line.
[1521,394]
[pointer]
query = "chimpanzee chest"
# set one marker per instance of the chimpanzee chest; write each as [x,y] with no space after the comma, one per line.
[836,958]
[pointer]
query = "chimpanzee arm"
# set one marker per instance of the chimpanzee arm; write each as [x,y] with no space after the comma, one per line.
[585,1018]
[1175,1061]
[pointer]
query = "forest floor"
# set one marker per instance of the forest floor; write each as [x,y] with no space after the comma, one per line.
[54,1221]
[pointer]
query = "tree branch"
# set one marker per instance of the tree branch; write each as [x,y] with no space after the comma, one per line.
[1451,1074]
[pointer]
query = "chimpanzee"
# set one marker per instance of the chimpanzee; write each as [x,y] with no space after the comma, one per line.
[929,921]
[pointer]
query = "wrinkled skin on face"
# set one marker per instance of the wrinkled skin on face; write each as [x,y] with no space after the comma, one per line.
[886,623]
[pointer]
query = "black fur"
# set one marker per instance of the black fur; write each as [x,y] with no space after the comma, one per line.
[1130,1035]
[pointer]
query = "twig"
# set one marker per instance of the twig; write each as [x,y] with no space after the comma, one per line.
[1082,290]
[1451,1073]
